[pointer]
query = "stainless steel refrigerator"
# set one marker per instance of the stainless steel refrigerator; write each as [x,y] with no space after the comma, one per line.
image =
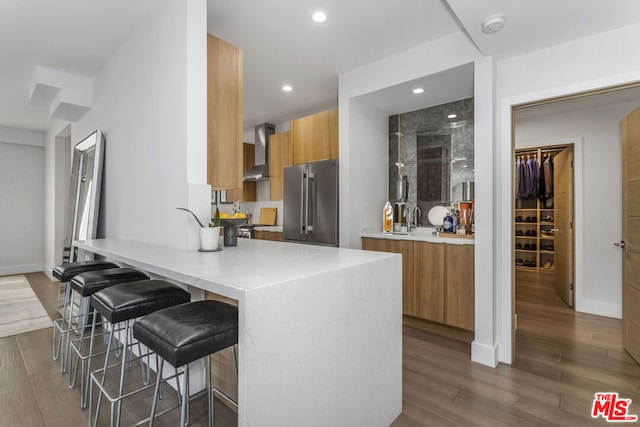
[311,203]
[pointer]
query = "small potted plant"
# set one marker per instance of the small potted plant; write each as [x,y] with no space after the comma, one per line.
[209,236]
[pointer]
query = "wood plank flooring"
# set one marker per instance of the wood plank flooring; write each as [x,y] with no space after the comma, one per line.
[562,359]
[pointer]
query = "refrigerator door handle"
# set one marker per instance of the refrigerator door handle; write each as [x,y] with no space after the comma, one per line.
[303,187]
[310,199]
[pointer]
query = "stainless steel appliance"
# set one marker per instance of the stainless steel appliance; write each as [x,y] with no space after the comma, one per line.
[311,203]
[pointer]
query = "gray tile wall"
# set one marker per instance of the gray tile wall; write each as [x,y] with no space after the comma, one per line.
[430,124]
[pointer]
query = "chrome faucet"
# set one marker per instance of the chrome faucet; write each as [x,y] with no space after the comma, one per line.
[416,215]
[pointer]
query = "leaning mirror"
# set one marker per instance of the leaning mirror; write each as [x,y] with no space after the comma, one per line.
[84,194]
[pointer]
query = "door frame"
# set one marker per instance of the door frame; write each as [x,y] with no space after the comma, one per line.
[505,205]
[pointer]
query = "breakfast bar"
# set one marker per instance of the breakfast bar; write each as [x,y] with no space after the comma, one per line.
[320,328]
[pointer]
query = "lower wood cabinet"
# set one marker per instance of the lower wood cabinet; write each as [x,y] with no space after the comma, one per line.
[459,286]
[437,279]
[268,235]
[408,284]
[429,282]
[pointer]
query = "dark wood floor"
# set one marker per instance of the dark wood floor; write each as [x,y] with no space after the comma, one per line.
[562,359]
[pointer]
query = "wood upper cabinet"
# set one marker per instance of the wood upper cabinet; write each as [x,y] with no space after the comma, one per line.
[459,288]
[248,191]
[224,114]
[429,281]
[315,137]
[279,158]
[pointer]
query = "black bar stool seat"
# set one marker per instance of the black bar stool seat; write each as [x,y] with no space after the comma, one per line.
[123,304]
[66,272]
[185,333]
[126,302]
[87,284]
[189,332]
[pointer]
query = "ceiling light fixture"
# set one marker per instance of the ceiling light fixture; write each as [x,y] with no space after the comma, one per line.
[452,116]
[319,16]
[493,24]
[418,90]
[287,88]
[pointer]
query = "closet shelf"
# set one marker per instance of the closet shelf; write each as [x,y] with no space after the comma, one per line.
[534,208]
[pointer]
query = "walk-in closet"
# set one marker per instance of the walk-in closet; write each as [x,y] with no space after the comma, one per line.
[543,220]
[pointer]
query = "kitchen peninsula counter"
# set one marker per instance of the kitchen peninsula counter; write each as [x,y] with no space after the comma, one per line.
[320,328]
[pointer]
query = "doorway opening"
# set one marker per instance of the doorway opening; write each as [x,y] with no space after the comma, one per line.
[545,317]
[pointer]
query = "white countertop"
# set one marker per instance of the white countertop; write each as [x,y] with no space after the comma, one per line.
[250,265]
[310,319]
[422,234]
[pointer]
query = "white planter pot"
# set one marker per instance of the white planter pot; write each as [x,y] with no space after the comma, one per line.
[209,238]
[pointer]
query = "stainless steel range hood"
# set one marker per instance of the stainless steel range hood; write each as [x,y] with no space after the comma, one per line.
[260,172]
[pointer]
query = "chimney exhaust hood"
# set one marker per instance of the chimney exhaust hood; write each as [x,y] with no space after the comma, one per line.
[260,172]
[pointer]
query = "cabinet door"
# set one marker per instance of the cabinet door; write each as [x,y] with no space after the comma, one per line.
[371,244]
[429,281]
[224,114]
[279,158]
[303,139]
[327,135]
[315,137]
[248,191]
[459,296]
[405,248]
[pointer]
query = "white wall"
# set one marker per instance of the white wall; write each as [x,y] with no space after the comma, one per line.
[582,65]
[363,160]
[21,200]
[147,104]
[600,290]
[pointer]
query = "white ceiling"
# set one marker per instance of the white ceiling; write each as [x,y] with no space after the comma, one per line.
[282,45]
[72,36]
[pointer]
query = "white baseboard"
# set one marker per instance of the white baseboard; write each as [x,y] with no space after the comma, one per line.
[48,271]
[20,269]
[599,308]
[484,354]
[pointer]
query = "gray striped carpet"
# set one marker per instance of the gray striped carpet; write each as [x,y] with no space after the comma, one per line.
[20,309]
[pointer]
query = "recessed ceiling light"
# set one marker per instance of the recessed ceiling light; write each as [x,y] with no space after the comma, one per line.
[452,116]
[493,24]
[418,90]
[287,88]
[319,16]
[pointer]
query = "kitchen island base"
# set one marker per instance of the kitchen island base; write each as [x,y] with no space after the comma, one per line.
[320,329]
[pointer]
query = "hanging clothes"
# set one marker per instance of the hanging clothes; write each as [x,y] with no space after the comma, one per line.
[522,180]
[518,166]
[541,181]
[528,175]
[535,177]
[548,177]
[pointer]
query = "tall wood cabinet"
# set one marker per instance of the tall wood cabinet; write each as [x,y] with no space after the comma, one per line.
[315,137]
[248,191]
[224,114]
[280,156]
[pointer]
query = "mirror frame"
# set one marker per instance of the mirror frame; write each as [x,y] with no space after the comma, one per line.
[95,140]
